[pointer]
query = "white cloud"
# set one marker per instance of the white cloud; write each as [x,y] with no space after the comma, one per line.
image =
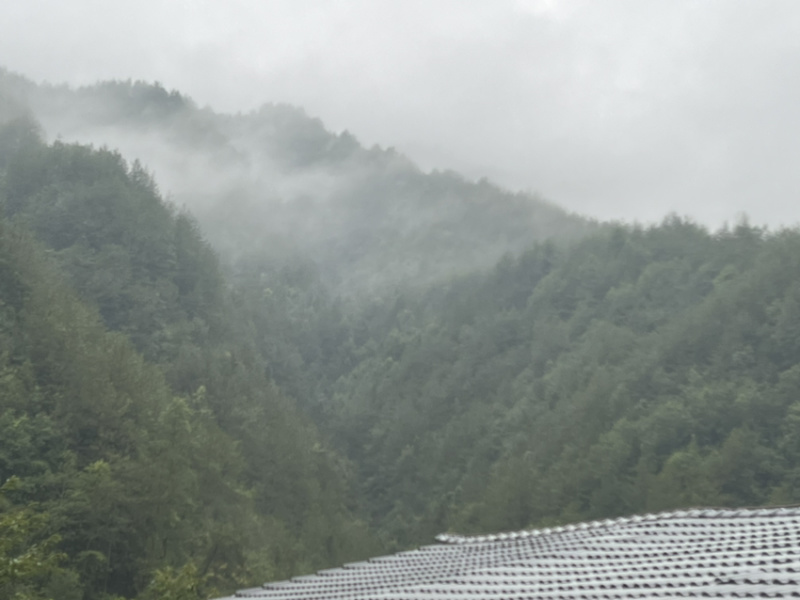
[621,108]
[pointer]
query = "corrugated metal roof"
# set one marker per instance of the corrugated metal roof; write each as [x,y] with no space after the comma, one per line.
[683,554]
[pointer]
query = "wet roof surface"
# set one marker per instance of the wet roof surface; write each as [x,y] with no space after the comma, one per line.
[698,553]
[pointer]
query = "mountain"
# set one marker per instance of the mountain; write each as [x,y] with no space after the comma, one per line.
[276,183]
[641,369]
[350,355]
[137,418]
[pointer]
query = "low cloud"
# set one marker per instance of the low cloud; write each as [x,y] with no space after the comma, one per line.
[620,109]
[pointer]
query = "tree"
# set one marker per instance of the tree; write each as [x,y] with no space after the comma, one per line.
[30,561]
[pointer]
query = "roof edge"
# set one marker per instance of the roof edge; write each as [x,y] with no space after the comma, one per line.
[694,513]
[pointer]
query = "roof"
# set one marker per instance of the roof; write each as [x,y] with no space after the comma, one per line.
[696,553]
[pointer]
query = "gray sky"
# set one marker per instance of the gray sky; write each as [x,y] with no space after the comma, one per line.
[624,109]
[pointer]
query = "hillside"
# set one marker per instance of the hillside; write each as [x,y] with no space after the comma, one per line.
[275,183]
[137,413]
[639,370]
[312,352]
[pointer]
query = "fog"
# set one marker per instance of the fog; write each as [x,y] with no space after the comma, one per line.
[616,109]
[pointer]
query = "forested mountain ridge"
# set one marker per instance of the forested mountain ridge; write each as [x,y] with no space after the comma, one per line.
[173,421]
[195,461]
[641,369]
[275,182]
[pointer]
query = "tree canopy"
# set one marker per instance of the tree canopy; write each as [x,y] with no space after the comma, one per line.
[183,413]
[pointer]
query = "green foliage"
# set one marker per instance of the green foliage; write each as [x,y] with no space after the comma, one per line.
[422,361]
[30,562]
[276,182]
[640,369]
[176,584]
[161,443]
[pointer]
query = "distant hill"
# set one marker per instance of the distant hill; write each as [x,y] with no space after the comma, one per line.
[471,359]
[274,185]
[641,369]
[143,443]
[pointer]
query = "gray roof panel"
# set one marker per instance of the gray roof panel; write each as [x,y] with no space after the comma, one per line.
[700,553]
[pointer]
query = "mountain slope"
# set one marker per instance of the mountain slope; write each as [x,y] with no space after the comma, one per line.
[163,444]
[276,183]
[472,359]
[639,370]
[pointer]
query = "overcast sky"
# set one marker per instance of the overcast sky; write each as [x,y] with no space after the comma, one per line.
[617,109]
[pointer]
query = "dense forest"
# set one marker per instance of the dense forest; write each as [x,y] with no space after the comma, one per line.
[233,382]
[274,185]
[138,420]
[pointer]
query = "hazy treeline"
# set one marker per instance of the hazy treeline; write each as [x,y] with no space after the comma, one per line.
[137,419]
[275,183]
[639,370]
[358,357]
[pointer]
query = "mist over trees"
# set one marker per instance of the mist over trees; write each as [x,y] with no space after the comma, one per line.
[136,410]
[275,183]
[305,352]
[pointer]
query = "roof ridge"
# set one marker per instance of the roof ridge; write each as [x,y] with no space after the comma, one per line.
[693,513]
